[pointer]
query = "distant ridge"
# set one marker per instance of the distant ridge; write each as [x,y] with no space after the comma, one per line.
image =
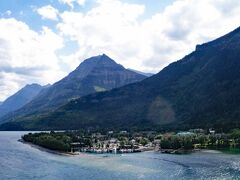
[20,98]
[143,73]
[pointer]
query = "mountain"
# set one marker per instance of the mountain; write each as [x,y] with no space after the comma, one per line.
[143,73]
[199,91]
[19,99]
[96,74]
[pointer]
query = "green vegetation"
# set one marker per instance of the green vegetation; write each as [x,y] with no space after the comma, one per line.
[177,142]
[95,74]
[99,89]
[124,141]
[199,91]
[53,141]
[220,141]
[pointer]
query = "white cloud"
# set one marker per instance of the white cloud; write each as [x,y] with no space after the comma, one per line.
[109,27]
[81,2]
[27,56]
[114,27]
[71,2]
[8,12]
[48,12]
[120,30]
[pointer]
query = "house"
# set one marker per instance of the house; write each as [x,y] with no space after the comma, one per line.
[185,133]
[133,141]
[123,132]
[212,131]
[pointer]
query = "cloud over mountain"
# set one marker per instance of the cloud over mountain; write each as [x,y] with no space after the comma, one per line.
[121,29]
[147,43]
[26,56]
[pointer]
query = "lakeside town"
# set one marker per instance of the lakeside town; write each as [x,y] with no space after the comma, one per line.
[182,142]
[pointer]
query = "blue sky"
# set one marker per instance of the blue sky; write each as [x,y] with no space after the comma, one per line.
[23,10]
[41,41]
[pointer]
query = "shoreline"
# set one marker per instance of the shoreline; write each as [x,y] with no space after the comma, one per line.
[163,151]
[48,150]
[73,154]
[178,151]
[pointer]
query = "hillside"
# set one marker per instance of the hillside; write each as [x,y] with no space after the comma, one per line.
[95,74]
[199,91]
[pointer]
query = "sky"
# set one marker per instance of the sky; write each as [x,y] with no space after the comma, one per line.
[43,41]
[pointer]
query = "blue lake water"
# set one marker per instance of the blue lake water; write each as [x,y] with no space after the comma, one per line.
[22,161]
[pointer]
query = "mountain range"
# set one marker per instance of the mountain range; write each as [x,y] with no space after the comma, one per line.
[199,91]
[95,74]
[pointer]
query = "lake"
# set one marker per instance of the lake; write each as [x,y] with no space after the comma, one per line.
[22,161]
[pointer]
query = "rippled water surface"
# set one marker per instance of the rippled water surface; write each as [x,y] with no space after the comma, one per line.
[21,161]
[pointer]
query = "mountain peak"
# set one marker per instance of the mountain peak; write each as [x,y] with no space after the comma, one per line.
[100,58]
[104,56]
[105,60]
[89,64]
[96,59]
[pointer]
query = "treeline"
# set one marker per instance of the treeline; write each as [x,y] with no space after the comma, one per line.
[177,142]
[202,141]
[53,141]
